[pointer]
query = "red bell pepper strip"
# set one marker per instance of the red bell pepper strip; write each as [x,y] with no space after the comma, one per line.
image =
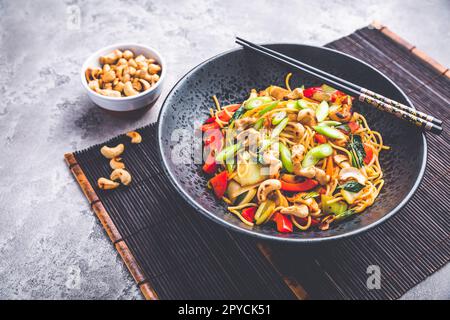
[369,154]
[219,184]
[224,115]
[284,224]
[210,120]
[306,185]
[210,126]
[320,138]
[210,165]
[213,138]
[209,139]
[249,213]
[353,126]
[322,190]
[309,92]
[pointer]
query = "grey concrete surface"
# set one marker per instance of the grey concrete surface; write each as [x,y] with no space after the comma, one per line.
[51,245]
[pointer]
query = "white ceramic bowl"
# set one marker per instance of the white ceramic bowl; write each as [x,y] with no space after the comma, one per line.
[125,103]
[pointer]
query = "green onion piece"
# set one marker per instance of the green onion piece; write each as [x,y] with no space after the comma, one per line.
[322,111]
[227,154]
[312,194]
[239,112]
[315,154]
[266,211]
[335,208]
[344,215]
[258,125]
[329,132]
[256,102]
[303,104]
[329,123]
[292,105]
[286,158]
[270,107]
[277,117]
[280,127]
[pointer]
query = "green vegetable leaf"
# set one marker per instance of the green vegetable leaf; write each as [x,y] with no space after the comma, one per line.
[356,148]
[344,215]
[239,112]
[352,186]
[312,194]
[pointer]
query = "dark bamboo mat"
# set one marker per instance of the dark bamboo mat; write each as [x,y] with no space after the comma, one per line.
[180,254]
[176,253]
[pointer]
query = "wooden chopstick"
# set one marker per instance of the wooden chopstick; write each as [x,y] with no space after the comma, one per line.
[416,117]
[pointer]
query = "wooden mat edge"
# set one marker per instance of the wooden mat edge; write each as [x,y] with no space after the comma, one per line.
[110,228]
[411,48]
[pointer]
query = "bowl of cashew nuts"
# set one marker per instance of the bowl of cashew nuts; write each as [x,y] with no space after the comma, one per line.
[124,77]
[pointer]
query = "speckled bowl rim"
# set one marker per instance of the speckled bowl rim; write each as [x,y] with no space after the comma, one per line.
[259,235]
[124,45]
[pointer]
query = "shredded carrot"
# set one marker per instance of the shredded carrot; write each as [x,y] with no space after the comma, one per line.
[330,167]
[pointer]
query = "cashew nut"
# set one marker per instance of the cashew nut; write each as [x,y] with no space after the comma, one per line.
[114,152]
[109,93]
[277,92]
[298,152]
[154,68]
[111,57]
[106,184]
[311,203]
[137,85]
[313,172]
[94,85]
[132,63]
[267,187]
[122,62]
[117,69]
[271,157]
[352,173]
[119,86]
[92,73]
[121,174]
[297,128]
[129,90]
[135,137]
[341,160]
[145,84]
[300,211]
[116,163]
[108,76]
[140,58]
[127,54]
[295,94]
[307,116]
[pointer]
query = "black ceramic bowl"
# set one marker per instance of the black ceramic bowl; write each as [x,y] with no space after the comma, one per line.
[230,76]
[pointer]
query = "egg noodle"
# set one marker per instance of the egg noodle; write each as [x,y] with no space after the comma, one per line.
[298,158]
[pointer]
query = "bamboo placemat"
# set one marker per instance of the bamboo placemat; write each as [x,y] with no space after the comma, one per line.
[175,253]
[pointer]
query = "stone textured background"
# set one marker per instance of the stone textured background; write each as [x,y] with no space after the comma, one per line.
[51,245]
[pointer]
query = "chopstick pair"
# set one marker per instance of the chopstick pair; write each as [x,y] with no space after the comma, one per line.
[418,118]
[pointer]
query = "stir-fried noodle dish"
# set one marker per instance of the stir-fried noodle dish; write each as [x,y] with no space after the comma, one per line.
[292,159]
